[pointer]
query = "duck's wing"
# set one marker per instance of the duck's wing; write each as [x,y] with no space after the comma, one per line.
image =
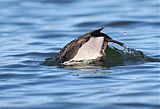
[71,49]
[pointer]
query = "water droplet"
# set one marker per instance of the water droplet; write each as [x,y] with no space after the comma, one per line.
[125,33]
[125,49]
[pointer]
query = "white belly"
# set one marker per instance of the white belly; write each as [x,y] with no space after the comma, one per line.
[91,49]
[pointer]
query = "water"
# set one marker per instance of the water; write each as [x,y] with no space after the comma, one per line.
[32,30]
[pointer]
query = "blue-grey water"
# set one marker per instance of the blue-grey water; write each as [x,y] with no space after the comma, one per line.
[32,30]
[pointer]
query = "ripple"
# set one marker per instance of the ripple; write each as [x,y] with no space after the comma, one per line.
[17,23]
[7,87]
[15,66]
[131,23]
[13,75]
[123,23]
[138,105]
[57,1]
[90,24]
[47,36]
[36,43]
[36,54]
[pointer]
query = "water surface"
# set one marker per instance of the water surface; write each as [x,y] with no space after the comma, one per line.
[32,30]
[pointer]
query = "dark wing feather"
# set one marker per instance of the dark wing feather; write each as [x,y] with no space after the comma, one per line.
[71,49]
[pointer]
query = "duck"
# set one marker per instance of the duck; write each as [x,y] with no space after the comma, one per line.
[86,49]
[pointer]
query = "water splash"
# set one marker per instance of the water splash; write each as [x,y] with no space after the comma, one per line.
[125,33]
[115,55]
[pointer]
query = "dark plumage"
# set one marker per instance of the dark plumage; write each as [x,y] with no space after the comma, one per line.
[70,50]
